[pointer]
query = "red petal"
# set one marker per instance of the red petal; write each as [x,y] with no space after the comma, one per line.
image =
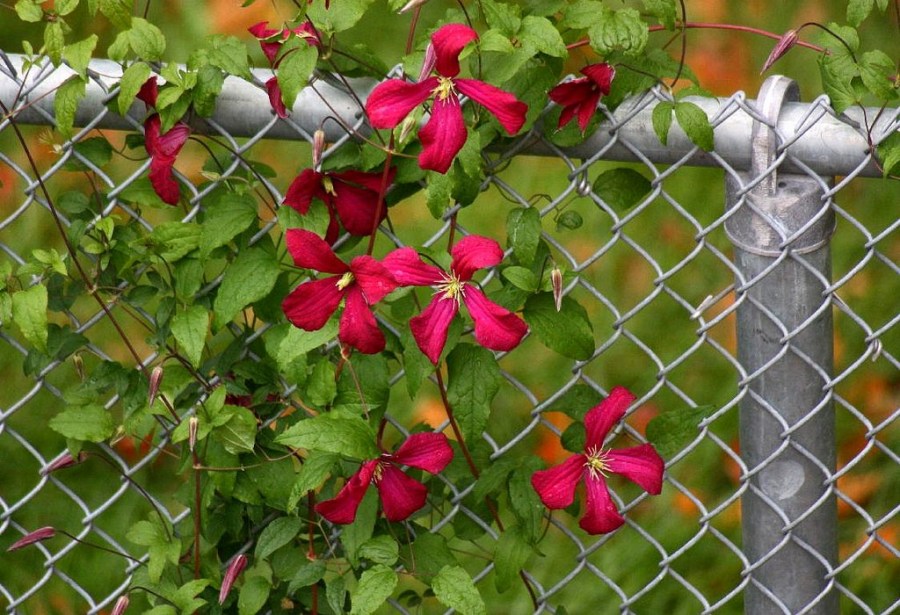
[274,91]
[311,304]
[370,181]
[448,43]
[410,270]
[600,514]
[556,485]
[429,328]
[401,495]
[149,91]
[342,508]
[508,109]
[571,92]
[169,144]
[392,100]
[163,180]
[357,207]
[312,252]
[260,30]
[639,464]
[358,327]
[495,327]
[373,278]
[601,74]
[305,186]
[600,419]
[427,451]
[472,253]
[443,136]
[586,110]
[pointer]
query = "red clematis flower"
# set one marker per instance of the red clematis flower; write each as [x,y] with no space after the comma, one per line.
[495,327]
[400,495]
[351,197]
[639,464]
[271,41]
[163,148]
[580,96]
[362,283]
[445,132]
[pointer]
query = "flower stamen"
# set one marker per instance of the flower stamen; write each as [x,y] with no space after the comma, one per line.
[597,463]
[345,281]
[444,88]
[452,288]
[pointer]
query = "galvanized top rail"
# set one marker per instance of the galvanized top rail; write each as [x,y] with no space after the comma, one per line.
[814,138]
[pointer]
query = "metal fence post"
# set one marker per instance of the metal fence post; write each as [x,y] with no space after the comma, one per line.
[780,226]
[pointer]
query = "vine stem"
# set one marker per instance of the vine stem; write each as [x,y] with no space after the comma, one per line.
[311,549]
[197,516]
[385,174]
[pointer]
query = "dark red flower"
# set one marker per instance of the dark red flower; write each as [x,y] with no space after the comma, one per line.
[580,96]
[400,495]
[271,41]
[163,148]
[495,327]
[351,197]
[361,284]
[639,464]
[445,132]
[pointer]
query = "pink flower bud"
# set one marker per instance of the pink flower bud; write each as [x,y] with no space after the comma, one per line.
[318,148]
[193,426]
[121,605]
[235,568]
[429,62]
[156,377]
[66,461]
[556,281]
[784,44]
[36,536]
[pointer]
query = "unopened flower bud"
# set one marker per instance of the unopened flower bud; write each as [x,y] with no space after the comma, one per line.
[121,605]
[411,5]
[428,63]
[29,539]
[784,44]
[66,461]
[318,148]
[235,568]
[193,425]
[556,281]
[407,127]
[156,377]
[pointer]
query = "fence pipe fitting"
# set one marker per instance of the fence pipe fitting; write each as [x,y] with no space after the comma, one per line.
[781,225]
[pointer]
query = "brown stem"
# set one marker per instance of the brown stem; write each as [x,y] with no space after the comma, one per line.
[311,549]
[385,174]
[197,502]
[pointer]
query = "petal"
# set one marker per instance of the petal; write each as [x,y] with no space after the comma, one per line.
[495,327]
[400,495]
[312,252]
[639,464]
[600,419]
[556,485]
[163,180]
[311,304]
[426,451]
[149,91]
[410,270]
[170,143]
[260,30]
[392,100]
[373,278]
[274,91]
[571,92]
[371,181]
[342,508]
[509,110]
[601,74]
[472,253]
[600,513]
[358,327]
[448,43]
[357,208]
[429,328]
[443,136]
[151,134]
[305,186]
[586,110]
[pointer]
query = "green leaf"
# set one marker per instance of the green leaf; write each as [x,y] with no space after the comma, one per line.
[431,554]
[29,312]
[522,278]
[65,104]
[356,534]
[146,40]
[339,16]
[494,477]
[474,379]
[91,423]
[230,54]
[253,595]
[227,215]
[78,54]
[64,7]
[290,343]
[510,555]
[671,431]
[375,586]
[695,123]
[312,474]
[380,550]
[878,71]
[209,84]
[416,366]
[664,10]
[118,12]
[523,228]
[175,240]
[622,189]
[321,387]
[454,588]
[573,438]
[858,10]
[294,72]
[582,14]
[306,575]
[29,10]
[163,547]
[540,32]
[889,153]
[190,328]
[502,16]
[568,331]
[336,592]
[525,502]
[250,278]
[352,437]
[662,120]
[569,220]
[141,192]
[185,597]
[837,81]
[621,30]
[96,150]
[238,434]
[278,533]
[437,193]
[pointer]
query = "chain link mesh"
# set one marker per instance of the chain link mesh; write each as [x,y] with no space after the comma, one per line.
[662,292]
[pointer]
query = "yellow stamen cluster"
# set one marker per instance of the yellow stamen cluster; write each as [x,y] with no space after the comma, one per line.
[379,472]
[443,89]
[344,281]
[452,288]
[597,463]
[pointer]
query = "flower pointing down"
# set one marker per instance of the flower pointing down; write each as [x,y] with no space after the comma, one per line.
[639,464]
[163,148]
[400,494]
[579,97]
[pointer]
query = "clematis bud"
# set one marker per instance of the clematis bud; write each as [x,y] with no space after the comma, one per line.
[156,377]
[412,4]
[784,44]
[428,63]
[406,128]
[121,605]
[29,539]
[193,425]
[235,568]
[66,461]
[318,147]
[556,281]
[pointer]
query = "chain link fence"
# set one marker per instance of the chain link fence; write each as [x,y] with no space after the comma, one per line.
[760,279]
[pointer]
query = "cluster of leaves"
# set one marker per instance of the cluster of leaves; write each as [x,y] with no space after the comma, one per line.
[267,418]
